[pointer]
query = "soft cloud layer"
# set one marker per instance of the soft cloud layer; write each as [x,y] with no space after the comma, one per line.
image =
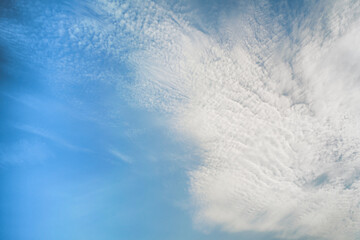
[275,112]
[270,97]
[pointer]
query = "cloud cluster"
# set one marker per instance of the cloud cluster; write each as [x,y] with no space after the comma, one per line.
[275,111]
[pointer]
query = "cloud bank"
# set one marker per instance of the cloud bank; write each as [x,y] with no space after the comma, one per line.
[272,104]
[268,93]
[275,113]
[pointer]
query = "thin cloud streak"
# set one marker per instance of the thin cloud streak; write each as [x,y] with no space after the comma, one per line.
[120,156]
[49,136]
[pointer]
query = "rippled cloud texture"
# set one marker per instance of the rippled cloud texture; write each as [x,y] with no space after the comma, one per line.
[267,90]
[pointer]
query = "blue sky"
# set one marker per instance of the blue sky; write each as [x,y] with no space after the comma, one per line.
[179,120]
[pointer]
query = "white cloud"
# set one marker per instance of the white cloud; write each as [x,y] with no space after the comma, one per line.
[275,115]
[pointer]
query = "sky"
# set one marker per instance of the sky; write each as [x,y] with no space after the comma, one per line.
[174,120]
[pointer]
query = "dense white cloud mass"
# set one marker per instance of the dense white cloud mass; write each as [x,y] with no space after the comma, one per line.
[272,101]
[275,112]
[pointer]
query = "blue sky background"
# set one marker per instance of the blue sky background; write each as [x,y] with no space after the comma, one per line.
[83,157]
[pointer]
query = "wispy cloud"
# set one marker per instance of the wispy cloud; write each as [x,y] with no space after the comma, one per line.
[50,136]
[120,156]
